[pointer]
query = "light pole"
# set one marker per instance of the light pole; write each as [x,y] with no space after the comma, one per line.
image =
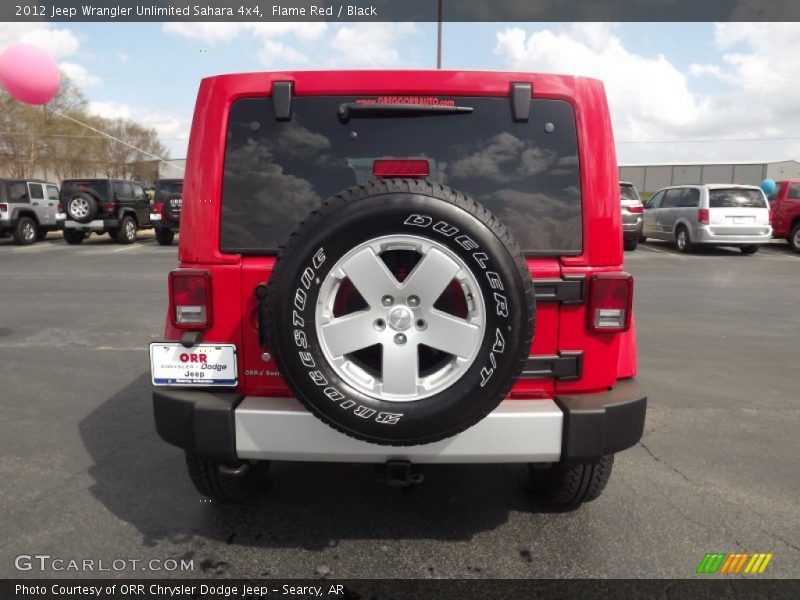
[439,37]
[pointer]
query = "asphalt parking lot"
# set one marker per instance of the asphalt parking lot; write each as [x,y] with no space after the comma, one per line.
[83,474]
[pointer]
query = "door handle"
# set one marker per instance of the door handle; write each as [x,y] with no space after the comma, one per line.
[36,204]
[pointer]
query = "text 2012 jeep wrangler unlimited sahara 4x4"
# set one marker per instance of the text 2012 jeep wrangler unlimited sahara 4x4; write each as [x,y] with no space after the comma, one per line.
[435,217]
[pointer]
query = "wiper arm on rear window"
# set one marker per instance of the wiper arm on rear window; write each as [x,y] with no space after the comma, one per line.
[354,110]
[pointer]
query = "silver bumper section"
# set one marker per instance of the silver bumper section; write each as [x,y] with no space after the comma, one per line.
[96,225]
[518,431]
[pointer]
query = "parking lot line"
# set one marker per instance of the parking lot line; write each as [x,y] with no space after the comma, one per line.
[660,251]
[776,252]
[131,247]
[35,249]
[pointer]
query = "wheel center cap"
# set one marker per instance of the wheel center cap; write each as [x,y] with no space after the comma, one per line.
[400,318]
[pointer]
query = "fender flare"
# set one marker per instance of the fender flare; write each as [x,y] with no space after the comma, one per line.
[18,213]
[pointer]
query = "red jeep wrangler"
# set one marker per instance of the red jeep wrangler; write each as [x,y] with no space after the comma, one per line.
[362,261]
[784,207]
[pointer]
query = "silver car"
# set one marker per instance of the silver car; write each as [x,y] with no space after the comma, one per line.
[632,210]
[718,214]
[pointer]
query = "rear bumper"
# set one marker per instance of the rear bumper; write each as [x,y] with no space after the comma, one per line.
[98,225]
[161,222]
[228,426]
[711,235]
[171,225]
[632,224]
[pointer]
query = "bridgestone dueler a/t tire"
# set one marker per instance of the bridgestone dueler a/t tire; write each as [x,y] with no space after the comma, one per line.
[401,207]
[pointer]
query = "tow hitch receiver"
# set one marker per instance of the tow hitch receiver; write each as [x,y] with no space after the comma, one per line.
[401,473]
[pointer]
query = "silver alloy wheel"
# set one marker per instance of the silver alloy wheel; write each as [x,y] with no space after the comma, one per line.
[130,230]
[78,207]
[796,238]
[400,317]
[681,239]
[28,231]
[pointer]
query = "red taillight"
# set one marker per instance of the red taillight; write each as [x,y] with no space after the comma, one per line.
[610,301]
[109,207]
[401,168]
[158,208]
[702,215]
[60,207]
[3,207]
[190,298]
[636,209]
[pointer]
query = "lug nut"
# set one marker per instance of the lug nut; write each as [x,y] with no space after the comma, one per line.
[379,324]
[413,301]
[387,300]
[400,339]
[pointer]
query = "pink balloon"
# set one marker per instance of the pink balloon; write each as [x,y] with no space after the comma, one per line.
[29,74]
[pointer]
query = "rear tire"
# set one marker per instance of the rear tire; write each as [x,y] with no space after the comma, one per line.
[74,236]
[126,234]
[682,240]
[751,249]
[794,238]
[630,243]
[226,483]
[164,237]
[26,231]
[566,486]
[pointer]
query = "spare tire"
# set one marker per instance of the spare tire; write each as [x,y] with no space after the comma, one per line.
[82,207]
[400,312]
[172,206]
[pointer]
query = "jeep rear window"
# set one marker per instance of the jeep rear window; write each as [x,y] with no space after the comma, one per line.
[628,192]
[526,173]
[164,189]
[97,188]
[733,198]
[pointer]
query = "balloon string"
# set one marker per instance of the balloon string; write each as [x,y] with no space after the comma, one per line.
[103,133]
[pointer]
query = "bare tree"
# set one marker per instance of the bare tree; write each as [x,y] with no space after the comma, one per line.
[38,139]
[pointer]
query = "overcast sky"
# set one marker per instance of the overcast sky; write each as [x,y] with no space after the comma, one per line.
[691,92]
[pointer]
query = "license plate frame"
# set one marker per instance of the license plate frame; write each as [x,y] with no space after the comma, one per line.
[173,365]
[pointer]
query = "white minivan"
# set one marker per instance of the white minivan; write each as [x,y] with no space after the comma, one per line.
[717,214]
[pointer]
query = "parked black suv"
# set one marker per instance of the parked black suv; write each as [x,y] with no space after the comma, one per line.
[114,206]
[166,213]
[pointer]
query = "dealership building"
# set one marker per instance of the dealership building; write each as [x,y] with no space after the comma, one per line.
[650,178]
